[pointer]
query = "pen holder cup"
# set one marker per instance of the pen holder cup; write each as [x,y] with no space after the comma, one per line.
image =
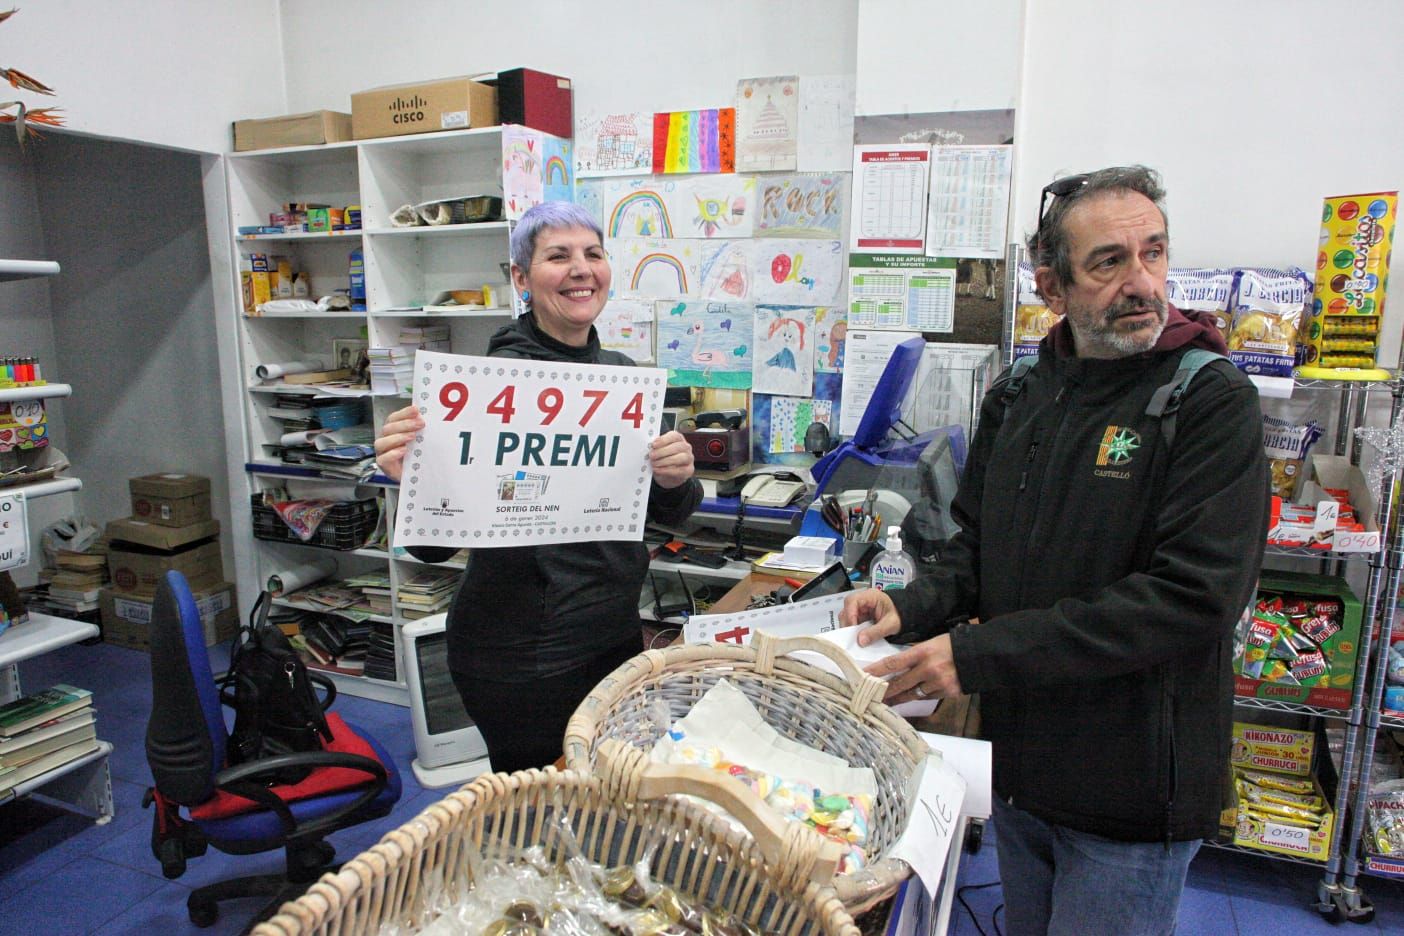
[853,551]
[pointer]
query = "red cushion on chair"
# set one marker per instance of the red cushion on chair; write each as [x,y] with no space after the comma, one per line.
[319,782]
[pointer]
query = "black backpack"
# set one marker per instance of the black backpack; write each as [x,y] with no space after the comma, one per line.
[276,709]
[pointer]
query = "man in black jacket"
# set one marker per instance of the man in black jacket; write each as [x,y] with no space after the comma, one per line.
[1106,564]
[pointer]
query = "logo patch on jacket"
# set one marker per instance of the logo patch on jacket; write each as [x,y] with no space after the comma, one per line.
[1117,445]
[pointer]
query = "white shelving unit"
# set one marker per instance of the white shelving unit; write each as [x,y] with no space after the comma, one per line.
[84,783]
[404,268]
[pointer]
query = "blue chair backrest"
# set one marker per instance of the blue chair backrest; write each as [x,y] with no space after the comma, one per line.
[185,736]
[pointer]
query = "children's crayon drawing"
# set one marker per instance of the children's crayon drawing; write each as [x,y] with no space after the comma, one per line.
[706,344]
[767,123]
[804,205]
[830,336]
[791,417]
[784,356]
[613,144]
[556,168]
[692,206]
[828,389]
[795,272]
[724,271]
[695,141]
[651,268]
[521,170]
[626,325]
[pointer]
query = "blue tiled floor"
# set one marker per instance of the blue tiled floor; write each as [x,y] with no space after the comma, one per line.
[62,874]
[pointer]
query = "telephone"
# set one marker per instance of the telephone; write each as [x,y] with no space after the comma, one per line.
[774,489]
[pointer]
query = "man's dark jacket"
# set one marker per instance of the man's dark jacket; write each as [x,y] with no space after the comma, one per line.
[1106,573]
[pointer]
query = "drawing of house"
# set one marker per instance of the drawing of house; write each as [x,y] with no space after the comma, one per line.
[616,142]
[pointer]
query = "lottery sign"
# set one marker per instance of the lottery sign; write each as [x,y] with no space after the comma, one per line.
[517,452]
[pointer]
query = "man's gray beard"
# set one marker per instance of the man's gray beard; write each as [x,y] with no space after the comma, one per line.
[1124,344]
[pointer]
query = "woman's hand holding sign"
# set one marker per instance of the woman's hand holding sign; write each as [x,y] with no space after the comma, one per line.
[393,441]
[671,457]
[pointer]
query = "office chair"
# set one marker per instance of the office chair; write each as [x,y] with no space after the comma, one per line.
[235,809]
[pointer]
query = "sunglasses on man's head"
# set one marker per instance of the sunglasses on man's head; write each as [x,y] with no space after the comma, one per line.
[1056,189]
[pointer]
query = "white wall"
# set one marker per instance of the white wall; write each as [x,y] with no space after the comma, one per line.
[620,54]
[132,317]
[174,72]
[1253,111]
[925,56]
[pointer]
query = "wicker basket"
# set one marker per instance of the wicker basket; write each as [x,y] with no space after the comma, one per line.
[771,878]
[844,717]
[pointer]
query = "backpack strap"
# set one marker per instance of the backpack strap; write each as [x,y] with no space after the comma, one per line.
[1013,378]
[1165,402]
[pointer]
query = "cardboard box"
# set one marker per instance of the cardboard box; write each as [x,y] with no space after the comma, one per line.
[1352,273]
[1336,471]
[170,499]
[126,618]
[159,536]
[1332,688]
[1263,747]
[293,130]
[423,107]
[137,570]
[537,100]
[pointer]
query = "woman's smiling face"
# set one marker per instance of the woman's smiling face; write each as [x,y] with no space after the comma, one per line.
[569,282]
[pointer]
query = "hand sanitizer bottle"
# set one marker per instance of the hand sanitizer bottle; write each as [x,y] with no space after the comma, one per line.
[893,569]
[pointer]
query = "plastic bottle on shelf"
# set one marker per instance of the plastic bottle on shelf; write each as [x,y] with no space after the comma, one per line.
[893,569]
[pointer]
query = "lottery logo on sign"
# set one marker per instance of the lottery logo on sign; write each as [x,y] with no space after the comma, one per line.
[556,444]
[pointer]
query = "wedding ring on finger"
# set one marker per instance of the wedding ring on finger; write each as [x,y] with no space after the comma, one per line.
[920,692]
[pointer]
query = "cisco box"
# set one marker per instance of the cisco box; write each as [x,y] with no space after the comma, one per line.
[423,107]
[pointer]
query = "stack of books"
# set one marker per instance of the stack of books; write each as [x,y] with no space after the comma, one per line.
[390,367]
[427,592]
[75,582]
[380,652]
[42,732]
[375,588]
[333,642]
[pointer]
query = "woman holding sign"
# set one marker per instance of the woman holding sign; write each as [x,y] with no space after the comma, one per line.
[532,629]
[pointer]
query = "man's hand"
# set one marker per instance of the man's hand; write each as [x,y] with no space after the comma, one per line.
[874,605]
[923,671]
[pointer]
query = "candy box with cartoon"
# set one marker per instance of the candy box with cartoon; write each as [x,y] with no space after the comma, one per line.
[1299,641]
[1352,273]
[1288,815]
[23,425]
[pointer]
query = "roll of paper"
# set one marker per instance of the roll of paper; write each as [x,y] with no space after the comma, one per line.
[274,371]
[300,576]
[303,437]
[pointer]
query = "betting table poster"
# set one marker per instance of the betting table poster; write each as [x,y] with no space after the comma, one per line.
[516,452]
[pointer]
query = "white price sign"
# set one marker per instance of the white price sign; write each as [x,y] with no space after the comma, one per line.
[1294,838]
[14,531]
[517,452]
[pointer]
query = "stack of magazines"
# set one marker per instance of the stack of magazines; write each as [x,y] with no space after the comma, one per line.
[390,367]
[44,731]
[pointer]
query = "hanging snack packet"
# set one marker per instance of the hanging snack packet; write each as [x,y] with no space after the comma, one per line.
[1287,446]
[1262,634]
[1202,290]
[1032,317]
[1267,307]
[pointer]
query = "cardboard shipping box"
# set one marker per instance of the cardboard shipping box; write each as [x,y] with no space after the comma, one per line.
[537,100]
[137,570]
[158,536]
[308,129]
[170,499]
[423,107]
[126,619]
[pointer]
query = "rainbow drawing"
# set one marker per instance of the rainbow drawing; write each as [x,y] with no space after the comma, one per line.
[557,166]
[643,198]
[666,260]
[695,141]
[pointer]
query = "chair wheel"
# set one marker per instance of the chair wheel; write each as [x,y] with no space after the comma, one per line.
[326,851]
[203,910]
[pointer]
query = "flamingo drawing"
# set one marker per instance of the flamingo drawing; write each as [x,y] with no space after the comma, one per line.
[706,358]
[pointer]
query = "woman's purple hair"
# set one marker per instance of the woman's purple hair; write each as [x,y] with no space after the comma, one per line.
[551,214]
